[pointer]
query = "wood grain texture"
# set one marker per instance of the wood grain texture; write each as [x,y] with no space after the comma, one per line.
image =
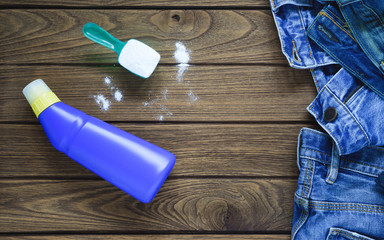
[225,93]
[212,36]
[201,150]
[138,3]
[154,237]
[234,205]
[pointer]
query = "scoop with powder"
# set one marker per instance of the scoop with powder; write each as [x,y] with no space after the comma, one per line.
[134,55]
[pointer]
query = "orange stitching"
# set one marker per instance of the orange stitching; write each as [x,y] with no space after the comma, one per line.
[324,14]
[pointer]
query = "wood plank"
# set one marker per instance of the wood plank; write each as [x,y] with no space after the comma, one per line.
[154,237]
[213,36]
[220,205]
[207,93]
[240,150]
[138,3]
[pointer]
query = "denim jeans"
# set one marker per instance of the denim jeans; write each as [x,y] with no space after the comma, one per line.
[337,197]
[331,32]
[365,19]
[357,108]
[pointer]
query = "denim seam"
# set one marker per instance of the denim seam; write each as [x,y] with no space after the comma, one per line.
[318,133]
[357,37]
[360,171]
[342,29]
[314,77]
[304,215]
[376,147]
[305,181]
[342,166]
[305,36]
[347,160]
[348,235]
[333,14]
[342,210]
[315,151]
[351,115]
[374,13]
[346,66]
[347,206]
[310,2]
[350,69]
[310,177]
[281,40]
[353,97]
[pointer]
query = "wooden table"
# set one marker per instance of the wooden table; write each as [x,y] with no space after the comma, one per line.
[235,143]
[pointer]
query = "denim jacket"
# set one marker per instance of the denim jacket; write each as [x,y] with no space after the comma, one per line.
[315,35]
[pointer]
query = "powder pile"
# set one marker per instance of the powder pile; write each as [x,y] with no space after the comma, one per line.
[118,95]
[182,56]
[102,101]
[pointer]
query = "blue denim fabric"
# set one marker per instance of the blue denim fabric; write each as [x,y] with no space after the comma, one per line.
[356,124]
[365,19]
[322,75]
[337,196]
[330,31]
[292,18]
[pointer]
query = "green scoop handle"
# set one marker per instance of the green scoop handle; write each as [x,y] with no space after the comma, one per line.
[102,37]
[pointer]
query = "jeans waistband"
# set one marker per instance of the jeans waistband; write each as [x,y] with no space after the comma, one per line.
[318,146]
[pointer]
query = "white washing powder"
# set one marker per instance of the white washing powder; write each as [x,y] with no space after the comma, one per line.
[139,58]
[118,95]
[102,101]
[182,56]
[108,80]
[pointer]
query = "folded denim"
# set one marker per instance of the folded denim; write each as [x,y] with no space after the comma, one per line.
[337,197]
[292,18]
[365,19]
[330,31]
[356,124]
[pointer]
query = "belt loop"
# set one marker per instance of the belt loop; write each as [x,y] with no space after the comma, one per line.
[298,149]
[334,168]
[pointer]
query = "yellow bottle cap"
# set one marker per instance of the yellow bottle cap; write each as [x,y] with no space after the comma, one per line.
[39,96]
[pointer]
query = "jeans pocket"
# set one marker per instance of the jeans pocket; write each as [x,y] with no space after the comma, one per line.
[342,234]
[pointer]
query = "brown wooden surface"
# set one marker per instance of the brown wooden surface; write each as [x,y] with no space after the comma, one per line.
[213,36]
[226,93]
[155,237]
[243,150]
[138,3]
[181,205]
[235,174]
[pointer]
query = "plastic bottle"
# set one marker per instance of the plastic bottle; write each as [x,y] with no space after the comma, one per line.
[130,163]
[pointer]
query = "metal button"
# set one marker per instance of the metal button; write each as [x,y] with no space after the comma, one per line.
[330,114]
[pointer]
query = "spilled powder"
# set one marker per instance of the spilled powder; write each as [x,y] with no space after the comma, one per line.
[102,101]
[157,102]
[107,80]
[118,95]
[182,56]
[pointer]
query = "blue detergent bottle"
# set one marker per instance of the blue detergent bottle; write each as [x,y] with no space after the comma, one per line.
[132,164]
